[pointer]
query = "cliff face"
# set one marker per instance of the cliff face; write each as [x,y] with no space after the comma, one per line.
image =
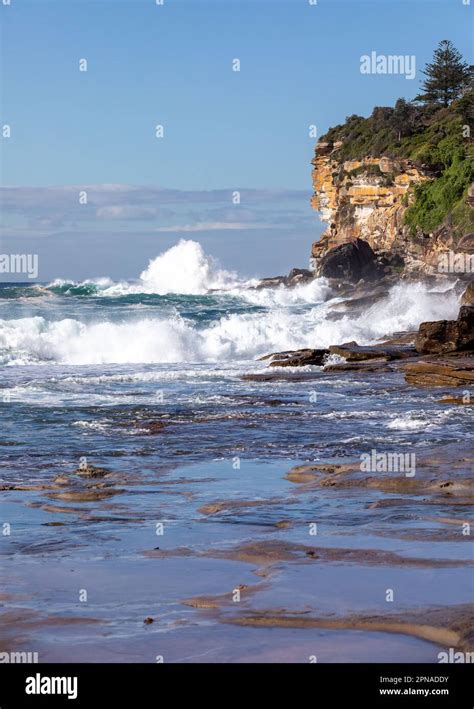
[367,199]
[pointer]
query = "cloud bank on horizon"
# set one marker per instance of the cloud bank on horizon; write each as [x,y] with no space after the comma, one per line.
[90,230]
[43,211]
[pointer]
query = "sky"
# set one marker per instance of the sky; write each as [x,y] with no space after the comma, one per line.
[230,166]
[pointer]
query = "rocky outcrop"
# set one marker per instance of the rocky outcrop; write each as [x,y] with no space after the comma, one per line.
[296,276]
[441,373]
[352,352]
[367,199]
[447,335]
[447,344]
[299,275]
[297,358]
[351,262]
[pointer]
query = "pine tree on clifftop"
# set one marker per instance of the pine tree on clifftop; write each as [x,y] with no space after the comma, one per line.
[447,76]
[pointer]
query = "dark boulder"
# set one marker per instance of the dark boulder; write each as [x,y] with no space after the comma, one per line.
[392,258]
[352,262]
[299,275]
[294,278]
[447,335]
[272,282]
[297,358]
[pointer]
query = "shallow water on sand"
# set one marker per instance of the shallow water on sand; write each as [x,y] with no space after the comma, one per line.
[150,389]
[110,549]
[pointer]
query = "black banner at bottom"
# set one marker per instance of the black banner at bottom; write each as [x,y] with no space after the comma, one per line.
[89,685]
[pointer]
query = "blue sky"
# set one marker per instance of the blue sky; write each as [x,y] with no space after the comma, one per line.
[224,130]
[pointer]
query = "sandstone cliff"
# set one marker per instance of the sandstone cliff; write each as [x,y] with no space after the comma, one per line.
[367,198]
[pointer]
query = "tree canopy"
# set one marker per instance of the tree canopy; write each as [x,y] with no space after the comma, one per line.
[448,76]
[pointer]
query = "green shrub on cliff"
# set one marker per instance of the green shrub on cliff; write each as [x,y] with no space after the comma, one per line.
[447,153]
[377,135]
[420,140]
[443,197]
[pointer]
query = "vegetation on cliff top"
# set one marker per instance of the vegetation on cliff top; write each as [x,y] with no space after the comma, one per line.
[433,131]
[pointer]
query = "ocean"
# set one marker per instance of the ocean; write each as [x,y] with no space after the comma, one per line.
[152,382]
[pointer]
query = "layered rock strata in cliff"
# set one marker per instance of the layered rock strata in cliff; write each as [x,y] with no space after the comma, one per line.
[366,199]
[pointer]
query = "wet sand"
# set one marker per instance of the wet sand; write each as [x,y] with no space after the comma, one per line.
[238,562]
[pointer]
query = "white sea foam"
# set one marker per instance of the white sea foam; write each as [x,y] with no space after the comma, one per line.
[98,282]
[91,425]
[418,420]
[183,269]
[237,336]
[290,318]
[317,291]
[406,423]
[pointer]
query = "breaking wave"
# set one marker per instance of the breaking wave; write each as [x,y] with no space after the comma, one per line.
[287,319]
[183,269]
